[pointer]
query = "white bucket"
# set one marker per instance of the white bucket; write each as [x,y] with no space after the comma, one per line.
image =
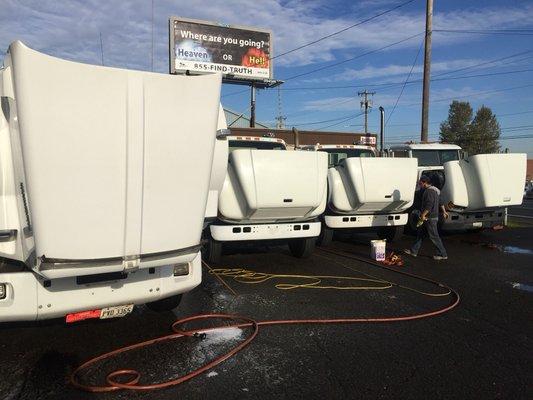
[377,249]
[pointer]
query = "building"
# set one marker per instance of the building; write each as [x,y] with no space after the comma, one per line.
[308,137]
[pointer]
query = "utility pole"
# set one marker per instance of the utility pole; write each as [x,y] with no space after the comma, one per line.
[366,103]
[280,124]
[427,72]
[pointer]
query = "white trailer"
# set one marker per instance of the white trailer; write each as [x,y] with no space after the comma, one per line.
[102,200]
[269,193]
[476,190]
[365,191]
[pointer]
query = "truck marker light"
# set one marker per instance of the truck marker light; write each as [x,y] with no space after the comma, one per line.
[3,291]
[181,269]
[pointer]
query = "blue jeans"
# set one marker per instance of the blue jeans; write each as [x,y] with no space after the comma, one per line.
[429,229]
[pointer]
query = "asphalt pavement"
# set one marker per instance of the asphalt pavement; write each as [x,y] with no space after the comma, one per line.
[482,349]
[522,214]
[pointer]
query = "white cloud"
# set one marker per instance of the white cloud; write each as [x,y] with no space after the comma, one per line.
[409,99]
[71,29]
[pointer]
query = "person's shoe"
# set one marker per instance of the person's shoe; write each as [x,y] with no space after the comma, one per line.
[440,258]
[409,252]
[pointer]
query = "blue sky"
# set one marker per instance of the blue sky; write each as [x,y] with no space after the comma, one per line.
[71,30]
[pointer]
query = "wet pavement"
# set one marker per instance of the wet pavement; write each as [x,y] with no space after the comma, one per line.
[480,350]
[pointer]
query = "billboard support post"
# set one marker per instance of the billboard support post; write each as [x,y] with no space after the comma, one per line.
[252,105]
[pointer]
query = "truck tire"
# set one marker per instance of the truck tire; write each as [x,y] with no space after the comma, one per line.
[302,248]
[326,236]
[213,251]
[166,304]
[390,233]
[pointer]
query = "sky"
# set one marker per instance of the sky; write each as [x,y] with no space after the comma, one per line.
[495,70]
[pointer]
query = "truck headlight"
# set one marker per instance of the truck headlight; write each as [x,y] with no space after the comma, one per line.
[181,269]
[3,291]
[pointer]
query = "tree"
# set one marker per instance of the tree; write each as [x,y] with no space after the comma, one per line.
[476,136]
[484,133]
[455,128]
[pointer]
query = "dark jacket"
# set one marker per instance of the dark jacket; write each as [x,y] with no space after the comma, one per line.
[430,201]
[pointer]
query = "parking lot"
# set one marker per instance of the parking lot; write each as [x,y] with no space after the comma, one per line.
[522,214]
[480,349]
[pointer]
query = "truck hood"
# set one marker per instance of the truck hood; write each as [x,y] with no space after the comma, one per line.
[273,185]
[485,181]
[117,162]
[372,185]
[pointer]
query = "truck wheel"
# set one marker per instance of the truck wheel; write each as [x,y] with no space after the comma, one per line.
[213,251]
[166,304]
[390,233]
[302,248]
[326,236]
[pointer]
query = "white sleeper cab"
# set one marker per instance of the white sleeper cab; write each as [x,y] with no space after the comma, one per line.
[476,190]
[365,191]
[269,193]
[102,200]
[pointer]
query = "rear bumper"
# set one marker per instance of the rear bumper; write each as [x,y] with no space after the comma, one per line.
[467,221]
[28,299]
[365,221]
[228,233]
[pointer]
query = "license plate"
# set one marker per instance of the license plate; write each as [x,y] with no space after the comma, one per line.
[116,311]
[477,224]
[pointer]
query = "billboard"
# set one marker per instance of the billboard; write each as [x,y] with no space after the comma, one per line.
[204,47]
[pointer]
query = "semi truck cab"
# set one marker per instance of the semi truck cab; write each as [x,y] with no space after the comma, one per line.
[365,191]
[269,193]
[102,202]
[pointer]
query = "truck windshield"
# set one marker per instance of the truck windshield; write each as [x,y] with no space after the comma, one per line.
[255,144]
[427,158]
[336,155]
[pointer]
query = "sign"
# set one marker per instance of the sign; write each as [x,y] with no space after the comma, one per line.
[205,47]
[367,140]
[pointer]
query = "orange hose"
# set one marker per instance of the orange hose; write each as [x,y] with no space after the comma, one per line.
[240,322]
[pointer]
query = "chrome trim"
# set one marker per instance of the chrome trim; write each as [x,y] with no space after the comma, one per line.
[57,263]
[8,235]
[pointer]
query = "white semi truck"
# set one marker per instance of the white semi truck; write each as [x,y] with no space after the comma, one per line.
[366,192]
[269,193]
[476,190]
[102,200]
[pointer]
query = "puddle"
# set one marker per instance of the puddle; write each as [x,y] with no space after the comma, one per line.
[508,249]
[522,286]
[516,250]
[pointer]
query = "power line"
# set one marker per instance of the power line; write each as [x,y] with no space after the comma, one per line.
[324,121]
[486,62]
[234,93]
[476,94]
[405,83]
[487,32]
[353,58]
[390,85]
[338,123]
[343,30]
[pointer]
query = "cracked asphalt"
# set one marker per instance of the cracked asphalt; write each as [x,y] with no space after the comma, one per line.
[480,350]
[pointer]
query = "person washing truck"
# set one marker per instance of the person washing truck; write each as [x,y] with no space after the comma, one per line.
[428,221]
